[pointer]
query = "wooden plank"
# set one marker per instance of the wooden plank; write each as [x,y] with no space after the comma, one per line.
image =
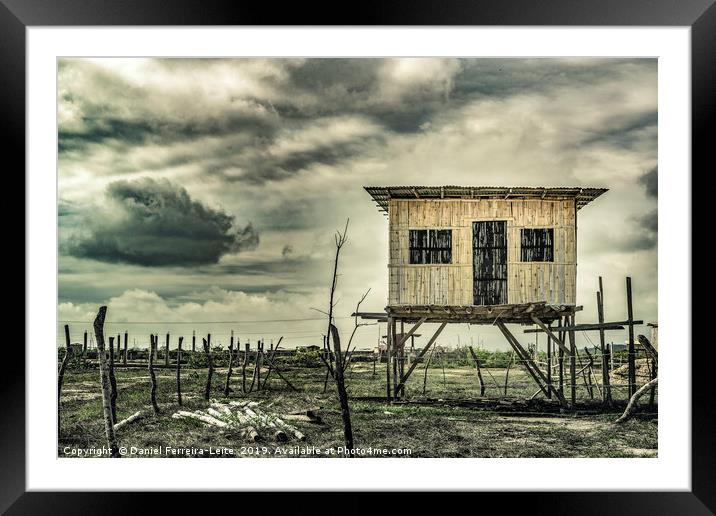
[550,333]
[632,353]
[617,325]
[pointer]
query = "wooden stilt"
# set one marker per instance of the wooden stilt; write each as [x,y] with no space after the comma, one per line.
[418,359]
[572,365]
[549,366]
[395,360]
[532,368]
[388,352]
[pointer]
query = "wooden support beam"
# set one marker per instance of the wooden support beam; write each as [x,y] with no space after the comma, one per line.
[420,356]
[618,325]
[534,371]
[572,365]
[388,351]
[544,328]
[607,390]
[404,336]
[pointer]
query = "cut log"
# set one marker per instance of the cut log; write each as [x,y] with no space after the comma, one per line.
[303,418]
[131,419]
[204,418]
[252,434]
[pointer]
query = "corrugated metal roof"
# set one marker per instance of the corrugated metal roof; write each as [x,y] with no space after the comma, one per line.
[382,194]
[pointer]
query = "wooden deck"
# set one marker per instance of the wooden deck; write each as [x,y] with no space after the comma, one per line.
[471,314]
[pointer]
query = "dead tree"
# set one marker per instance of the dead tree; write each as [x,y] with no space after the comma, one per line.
[342,394]
[104,379]
[61,374]
[338,369]
[152,376]
[631,406]
[207,350]
[112,381]
[181,339]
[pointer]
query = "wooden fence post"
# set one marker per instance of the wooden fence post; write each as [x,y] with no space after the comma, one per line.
[259,363]
[227,387]
[124,355]
[112,381]
[247,349]
[606,381]
[61,374]
[104,379]
[153,394]
[84,344]
[179,370]
[632,352]
[193,341]
[207,350]
[166,351]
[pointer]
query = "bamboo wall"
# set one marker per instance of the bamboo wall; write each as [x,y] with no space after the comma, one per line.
[452,284]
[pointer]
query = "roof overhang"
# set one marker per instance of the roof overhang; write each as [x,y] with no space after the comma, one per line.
[383,194]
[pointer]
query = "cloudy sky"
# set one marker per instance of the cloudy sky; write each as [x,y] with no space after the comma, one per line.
[203,190]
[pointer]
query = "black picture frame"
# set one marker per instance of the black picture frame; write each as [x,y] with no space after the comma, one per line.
[17,15]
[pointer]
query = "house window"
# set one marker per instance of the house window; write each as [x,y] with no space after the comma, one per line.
[537,245]
[430,245]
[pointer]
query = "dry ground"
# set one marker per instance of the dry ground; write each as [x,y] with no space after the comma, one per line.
[436,430]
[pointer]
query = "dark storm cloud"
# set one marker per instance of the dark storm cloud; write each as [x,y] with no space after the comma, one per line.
[156,223]
[650,181]
[628,133]
[289,96]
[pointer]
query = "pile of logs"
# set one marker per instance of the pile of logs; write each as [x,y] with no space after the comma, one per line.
[247,418]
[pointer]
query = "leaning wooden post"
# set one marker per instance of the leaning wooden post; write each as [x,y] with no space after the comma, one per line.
[124,355]
[632,358]
[104,379]
[61,374]
[153,393]
[477,369]
[112,381]
[507,372]
[207,350]
[227,387]
[181,339]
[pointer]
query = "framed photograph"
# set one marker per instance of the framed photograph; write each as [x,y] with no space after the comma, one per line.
[417,250]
